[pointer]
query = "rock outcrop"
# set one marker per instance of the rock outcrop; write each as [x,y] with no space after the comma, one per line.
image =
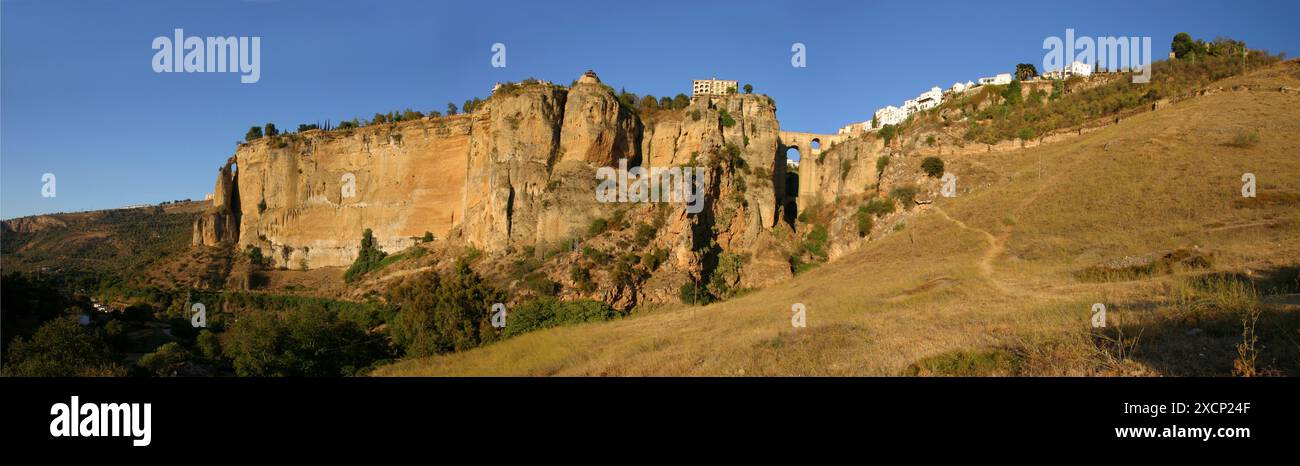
[519,172]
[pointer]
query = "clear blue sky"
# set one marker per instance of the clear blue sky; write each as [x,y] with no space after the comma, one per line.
[79,98]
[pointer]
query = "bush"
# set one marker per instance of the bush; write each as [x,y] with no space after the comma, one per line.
[306,341]
[253,133]
[581,278]
[60,348]
[550,312]
[166,360]
[725,118]
[597,227]
[881,163]
[370,258]
[905,195]
[443,313]
[1244,138]
[933,166]
[878,207]
[692,294]
[864,221]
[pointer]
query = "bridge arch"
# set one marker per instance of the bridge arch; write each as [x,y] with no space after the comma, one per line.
[810,147]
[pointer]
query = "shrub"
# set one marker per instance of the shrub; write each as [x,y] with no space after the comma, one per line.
[597,227]
[439,313]
[932,166]
[370,258]
[581,278]
[881,163]
[306,341]
[691,293]
[166,360]
[878,207]
[550,312]
[60,348]
[864,221]
[695,115]
[725,118]
[905,195]
[253,134]
[1244,138]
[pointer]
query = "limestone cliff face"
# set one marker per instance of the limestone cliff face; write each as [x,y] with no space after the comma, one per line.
[220,223]
[518,172]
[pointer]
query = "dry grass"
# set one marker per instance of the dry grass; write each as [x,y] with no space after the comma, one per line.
[963,291]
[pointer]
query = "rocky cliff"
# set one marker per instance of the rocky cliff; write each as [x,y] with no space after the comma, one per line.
[519,172]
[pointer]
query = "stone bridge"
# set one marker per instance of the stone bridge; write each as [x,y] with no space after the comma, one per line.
[810,146]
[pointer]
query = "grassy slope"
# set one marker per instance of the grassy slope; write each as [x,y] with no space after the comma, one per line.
[992,267]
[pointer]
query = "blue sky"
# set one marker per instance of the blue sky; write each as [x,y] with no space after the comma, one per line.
[79,98]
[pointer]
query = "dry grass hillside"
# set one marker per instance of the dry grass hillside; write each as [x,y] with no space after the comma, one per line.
[1145,216]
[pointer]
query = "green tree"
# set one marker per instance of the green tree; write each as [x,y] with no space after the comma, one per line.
[304,341]
[61,348]
[749,89]
[271,131]
[932,166]
[369,258]
[443,313]
[1025,71]
[1182,45]
[681,101]
[165,361]
[1012,93]
[253,133]
[451,109]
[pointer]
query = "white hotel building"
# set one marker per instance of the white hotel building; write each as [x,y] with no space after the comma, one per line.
[713,86]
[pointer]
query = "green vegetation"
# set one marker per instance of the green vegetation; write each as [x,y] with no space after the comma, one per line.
[961,363]
[932,166]
[725,118]
[307,341]
[550,312]
[60,348]
[253,133]
[1244,138]
[370,258]
[864,221]
[998,113]
[905,195]
[1025,71]
[443,313]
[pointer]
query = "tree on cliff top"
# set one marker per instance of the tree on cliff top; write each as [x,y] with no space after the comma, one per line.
[1024,71]
[253,133]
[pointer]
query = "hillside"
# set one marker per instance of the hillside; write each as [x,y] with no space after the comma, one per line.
[1144,216]
[105,241]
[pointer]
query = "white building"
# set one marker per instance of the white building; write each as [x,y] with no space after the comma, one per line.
[890,115]
[712,86]
[929,99]
[1001,78]
[1077,68]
